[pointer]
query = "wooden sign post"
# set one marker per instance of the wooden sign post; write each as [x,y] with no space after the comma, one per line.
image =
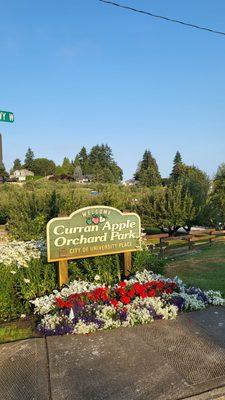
[92,232]
[63,273]
[127,263]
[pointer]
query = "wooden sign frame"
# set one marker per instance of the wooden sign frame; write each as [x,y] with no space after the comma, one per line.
[122,221]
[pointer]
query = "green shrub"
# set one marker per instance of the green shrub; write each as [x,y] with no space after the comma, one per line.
[106,268]
[10,306]
[3,217]
[146,260]
[20,285]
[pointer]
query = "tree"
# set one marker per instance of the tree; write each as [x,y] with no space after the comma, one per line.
[17,164]
[77,173]
[167,208]
[59,170]
[216,203]
[147,173]
[67,166]
[103,166]
[43,167]
[83,160]
[178,167]
[29,159]
[3,173]
[197,184]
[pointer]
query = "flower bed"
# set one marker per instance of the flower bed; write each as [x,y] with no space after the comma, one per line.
[84,307]
[21,253]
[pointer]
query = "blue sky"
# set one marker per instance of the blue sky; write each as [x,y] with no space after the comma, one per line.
[80,73]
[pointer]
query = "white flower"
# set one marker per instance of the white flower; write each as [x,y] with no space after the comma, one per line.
[71,315]
[13,272]
[97,278]
[21,253]
[26,280]
[82,328]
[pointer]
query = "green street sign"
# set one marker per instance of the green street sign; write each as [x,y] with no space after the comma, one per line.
[93,231]
[6,116]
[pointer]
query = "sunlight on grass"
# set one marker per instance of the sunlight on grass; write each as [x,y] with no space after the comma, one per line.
[12,332]
[205,269]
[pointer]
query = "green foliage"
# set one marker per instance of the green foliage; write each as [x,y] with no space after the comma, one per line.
[17,164]
[53,206]
[27,219]
[102,165]
[215,212]
[178,168]
[82,160]
[43,167]
[77,172]
[167,208]
[196,183]
[104,269]
[145,260]
[20,285]
[29,159]
[3,216]
[3,173]
[67,167]
[148,173]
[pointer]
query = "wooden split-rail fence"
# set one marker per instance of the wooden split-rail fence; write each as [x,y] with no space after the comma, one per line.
[164,244]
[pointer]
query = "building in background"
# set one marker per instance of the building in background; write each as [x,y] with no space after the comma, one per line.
[21,174]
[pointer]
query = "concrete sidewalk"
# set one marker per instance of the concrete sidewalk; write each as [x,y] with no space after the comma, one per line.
[166,360]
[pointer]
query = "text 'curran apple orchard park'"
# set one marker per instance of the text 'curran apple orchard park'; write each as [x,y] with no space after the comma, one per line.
[93,231]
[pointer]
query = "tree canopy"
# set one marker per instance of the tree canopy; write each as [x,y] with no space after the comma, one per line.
[147,173]
[43,167]
[29,159]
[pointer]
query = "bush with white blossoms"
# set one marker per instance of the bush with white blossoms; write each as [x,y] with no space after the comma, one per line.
[21,253]
[84,307]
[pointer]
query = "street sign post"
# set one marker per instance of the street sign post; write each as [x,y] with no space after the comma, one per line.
[6,116]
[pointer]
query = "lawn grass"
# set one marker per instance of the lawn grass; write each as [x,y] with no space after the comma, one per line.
[17,330]
[205,268]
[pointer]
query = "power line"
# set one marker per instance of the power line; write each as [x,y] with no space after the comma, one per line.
[162,17]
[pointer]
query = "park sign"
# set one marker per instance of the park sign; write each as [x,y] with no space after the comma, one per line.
[93,231]
[6,116]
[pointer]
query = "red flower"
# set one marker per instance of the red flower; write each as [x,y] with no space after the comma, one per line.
[152,293]
[131,292]
[63,303]
[125,299]
[114,303]
[122,284]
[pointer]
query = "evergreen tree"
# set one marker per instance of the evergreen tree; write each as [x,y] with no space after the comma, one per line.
[17,164]
[59,170]
[148,173]
[67,166]
[178,169]
[29,159]
[3,173]
[103,166]
[83,159]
